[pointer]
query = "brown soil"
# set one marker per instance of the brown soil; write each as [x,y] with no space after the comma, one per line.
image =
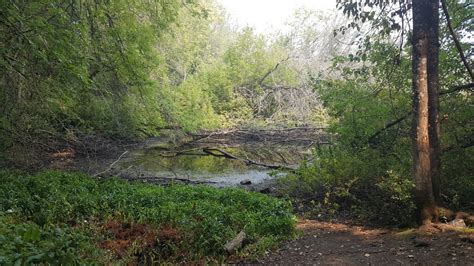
[325,243]
[124,235]
[139,243]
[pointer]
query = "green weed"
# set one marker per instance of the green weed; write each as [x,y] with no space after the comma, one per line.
[75,205]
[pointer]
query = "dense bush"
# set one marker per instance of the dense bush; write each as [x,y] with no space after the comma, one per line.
[52,216]
[339,183]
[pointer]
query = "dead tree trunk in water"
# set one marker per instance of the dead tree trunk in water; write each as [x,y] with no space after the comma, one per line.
[426,147]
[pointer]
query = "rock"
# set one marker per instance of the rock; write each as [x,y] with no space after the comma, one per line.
[246,182]
[458,223]
[376,243]
[421,242]
[468,219]
[467,238]
[266,190]
[235,243]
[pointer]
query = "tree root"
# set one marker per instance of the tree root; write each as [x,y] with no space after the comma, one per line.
[447,220]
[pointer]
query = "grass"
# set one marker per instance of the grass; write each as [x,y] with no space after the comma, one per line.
[63,218]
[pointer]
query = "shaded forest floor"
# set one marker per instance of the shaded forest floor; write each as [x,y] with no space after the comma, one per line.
[329,243]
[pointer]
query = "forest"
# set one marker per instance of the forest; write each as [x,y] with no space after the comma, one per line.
[160,132]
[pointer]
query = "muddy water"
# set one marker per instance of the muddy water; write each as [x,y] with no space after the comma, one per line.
[153,160]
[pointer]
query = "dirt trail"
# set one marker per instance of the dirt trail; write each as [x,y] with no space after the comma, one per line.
[326,243]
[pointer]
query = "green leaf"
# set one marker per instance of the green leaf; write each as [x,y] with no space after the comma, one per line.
[32,234]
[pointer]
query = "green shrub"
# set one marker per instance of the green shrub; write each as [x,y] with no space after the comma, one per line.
[338,181]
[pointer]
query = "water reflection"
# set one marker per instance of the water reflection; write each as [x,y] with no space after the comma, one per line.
[196,165]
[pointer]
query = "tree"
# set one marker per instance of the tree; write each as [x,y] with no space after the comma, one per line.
[425,52]
[426,148]
[68,65]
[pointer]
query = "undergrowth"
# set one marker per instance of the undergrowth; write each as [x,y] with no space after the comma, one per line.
[337,184]
[63,218]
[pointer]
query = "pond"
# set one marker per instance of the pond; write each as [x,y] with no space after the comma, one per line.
[191,162]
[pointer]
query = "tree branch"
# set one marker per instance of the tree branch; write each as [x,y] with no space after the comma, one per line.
[112,165]
[456,41]
[260,82]
[457,88]
[465,145]
[221,153]
[390,124]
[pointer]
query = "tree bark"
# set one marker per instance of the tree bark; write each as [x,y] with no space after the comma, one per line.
[426,147]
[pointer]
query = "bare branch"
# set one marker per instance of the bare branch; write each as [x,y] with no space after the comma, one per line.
[390,124]
[456,41]
[221,153]
[260,82]
[465,145]
[457,88]
[112,165]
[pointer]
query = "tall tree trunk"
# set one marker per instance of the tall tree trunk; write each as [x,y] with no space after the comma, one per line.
[426,148]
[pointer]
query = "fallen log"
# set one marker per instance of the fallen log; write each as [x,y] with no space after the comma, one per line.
[222,153]
[235,243]
[162,180]
[284,135]
[216,152]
